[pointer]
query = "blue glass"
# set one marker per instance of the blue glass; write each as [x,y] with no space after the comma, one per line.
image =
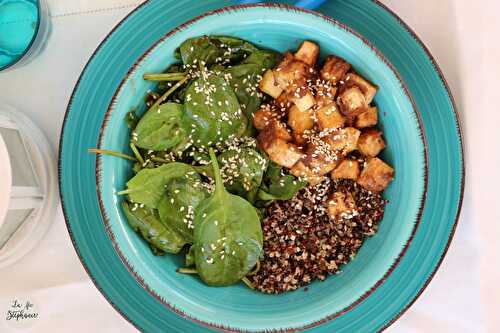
[19,25]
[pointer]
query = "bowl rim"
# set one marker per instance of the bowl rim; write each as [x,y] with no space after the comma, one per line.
[236,8]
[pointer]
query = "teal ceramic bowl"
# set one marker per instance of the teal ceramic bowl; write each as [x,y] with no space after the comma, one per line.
[392,267]
[238,308]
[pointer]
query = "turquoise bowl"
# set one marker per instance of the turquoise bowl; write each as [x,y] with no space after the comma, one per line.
[238,308]
[378,285]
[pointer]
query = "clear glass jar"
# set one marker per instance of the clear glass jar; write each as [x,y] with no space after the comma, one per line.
[24,30]
[28,186]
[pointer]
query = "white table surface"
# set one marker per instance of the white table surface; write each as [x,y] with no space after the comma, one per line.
[464,295]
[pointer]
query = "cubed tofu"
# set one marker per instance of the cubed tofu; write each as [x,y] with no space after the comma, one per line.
[347,169]
[334,69]
[376,175]
[329,117]
[308,53]
[269,85]
[304,102]
[263,117]
[299,139]
[320,157]
[368,118]
[344,140]
[370,142]
[368,88]
[300,170]
[341,206]
[300,120]
[325,95]
[283,101]
[283,153]
[290,71]
[273,131]
[352,102]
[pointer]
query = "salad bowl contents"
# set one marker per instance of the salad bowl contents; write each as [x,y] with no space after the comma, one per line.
[258,166]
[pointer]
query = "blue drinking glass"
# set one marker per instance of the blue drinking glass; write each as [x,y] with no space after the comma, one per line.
[24,28]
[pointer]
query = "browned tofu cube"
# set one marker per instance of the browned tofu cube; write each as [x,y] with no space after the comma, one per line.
[283,101]
[300,120]
[273,131]
[376,175]
[368,118]
[341,206]
[300,170]
[344,140]
[320,158]
[291,71]
[368,89]
[263,117]
[334,69]
[370,142]
[308,53]
[325,94]
[269,85]
[304,102]
[299,138]
[352,102]
[283,153]
[347,169]
[329,117]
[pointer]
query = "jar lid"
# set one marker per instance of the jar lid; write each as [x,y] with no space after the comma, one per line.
[5,180]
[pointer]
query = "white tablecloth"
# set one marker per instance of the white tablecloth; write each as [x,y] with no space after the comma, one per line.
[463,297]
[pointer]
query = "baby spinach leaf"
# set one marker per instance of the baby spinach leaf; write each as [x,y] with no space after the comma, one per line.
[242,170]
[278,185]
[160,128]
[244,79]
[148,185]
[212,111]
[212,49]
[145,222]
[227,236]
[176,208]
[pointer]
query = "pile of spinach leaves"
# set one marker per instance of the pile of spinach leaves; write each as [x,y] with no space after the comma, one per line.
[200,183]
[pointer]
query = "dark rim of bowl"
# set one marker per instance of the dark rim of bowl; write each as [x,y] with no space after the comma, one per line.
[454,110]
[111,108]
[32,41]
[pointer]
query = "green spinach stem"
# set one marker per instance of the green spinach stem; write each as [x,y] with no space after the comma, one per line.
[111,153]
[164,77]
[248,283]
[169,92]
[187,271]
[136,153]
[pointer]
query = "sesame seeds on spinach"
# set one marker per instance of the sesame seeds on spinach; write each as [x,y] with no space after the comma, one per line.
[199,116]
[227,235]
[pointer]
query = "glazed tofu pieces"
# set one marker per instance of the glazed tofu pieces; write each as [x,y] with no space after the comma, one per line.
[370,142]
[368,118]
[308,53]
[320,157]
[274,139]
[322,122]
[299,120]
[329,117]
[269,85]
[347,169]
[376,175]
[341,205]
[291,71]
[344,140]
[302,171]
[369,90]
[352,102]
[334,69]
